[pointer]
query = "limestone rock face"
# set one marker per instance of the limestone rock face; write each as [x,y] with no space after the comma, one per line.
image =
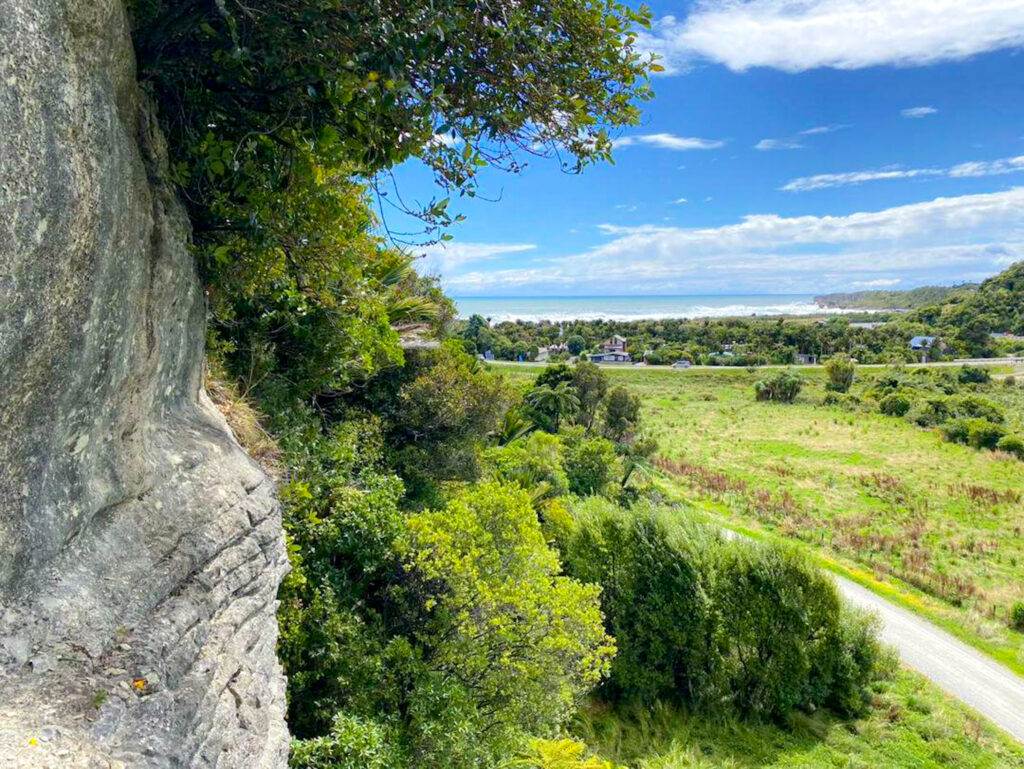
[140,548]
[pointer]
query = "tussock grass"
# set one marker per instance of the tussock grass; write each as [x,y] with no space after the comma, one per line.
[244,419]
[911,725]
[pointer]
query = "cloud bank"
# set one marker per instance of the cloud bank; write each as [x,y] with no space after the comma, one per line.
[769,253]
[960,171]
[797,35]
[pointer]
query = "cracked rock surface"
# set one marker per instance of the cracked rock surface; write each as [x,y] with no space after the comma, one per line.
[140,548]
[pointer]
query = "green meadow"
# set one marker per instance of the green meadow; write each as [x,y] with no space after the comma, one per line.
[934,526]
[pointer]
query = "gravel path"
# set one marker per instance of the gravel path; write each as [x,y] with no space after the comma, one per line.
[962,671]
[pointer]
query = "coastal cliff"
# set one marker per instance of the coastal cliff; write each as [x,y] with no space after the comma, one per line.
[140,548]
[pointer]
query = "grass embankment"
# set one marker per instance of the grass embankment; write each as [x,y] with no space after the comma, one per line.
[934,526]
[911,725]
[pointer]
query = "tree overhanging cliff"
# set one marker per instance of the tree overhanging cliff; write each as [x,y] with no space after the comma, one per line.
[140,549]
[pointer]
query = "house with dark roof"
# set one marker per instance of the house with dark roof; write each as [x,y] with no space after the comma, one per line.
[614,351]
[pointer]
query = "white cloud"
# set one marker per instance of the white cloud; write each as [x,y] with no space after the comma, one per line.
[772,254]
[918,112]
[822,181]
[962,170]
[988,168]
[667,141]
[452,255]
[877,283]
[824,129]
[677,201]
[778,144]
[797,35]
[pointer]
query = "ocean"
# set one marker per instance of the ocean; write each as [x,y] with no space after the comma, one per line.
[563,308]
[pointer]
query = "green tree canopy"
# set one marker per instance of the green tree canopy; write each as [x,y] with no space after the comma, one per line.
[501,620]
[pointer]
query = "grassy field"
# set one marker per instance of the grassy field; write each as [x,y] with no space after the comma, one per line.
[911,725]
[934,526]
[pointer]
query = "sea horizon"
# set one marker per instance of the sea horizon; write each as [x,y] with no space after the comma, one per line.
[558,309]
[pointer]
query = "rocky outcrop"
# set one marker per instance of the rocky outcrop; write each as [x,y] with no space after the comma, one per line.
[140,549]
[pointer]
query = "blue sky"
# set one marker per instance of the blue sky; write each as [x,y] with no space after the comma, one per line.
[791,148]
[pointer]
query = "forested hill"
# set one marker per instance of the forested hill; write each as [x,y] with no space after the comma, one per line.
[996,305]
[892,300]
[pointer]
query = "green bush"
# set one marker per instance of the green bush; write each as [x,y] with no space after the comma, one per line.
[930,411]
[846,401]
[621,414]
[840,371]
[725,626]
[982,434]
[576,344]
[979,433]
[1009,381]
[1012,444]
[788,641]
[534,463]
[973,375]
[353,743]
[590,463]
[1017,616]
[894,404]
[976,407]
[781,388]
[956,431]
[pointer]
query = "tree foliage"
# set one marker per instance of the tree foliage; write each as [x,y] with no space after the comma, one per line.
[764,630]
[840,370]
[781,388]
[500,620]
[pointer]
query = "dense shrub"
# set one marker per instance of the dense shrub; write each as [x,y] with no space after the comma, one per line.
[1012,444]
[930,411]
[789,643]
[976,407]
[534,463]
[846,401]
[352,743]
[894,404]
[621,414]
[1009,381]
[590,463]
[840,371]
[719,625]
[1017,616]
[437,420]
[973,375]
[979,433]
[783,387]
[576,344]
[956,431]
[656,601]
[982,434]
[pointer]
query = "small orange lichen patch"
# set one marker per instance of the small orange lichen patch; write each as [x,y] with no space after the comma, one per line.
[139,683]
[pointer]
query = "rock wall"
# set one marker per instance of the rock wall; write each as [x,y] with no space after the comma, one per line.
[140,549]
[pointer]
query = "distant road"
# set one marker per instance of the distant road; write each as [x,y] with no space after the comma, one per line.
[973,678]
[1012,361]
